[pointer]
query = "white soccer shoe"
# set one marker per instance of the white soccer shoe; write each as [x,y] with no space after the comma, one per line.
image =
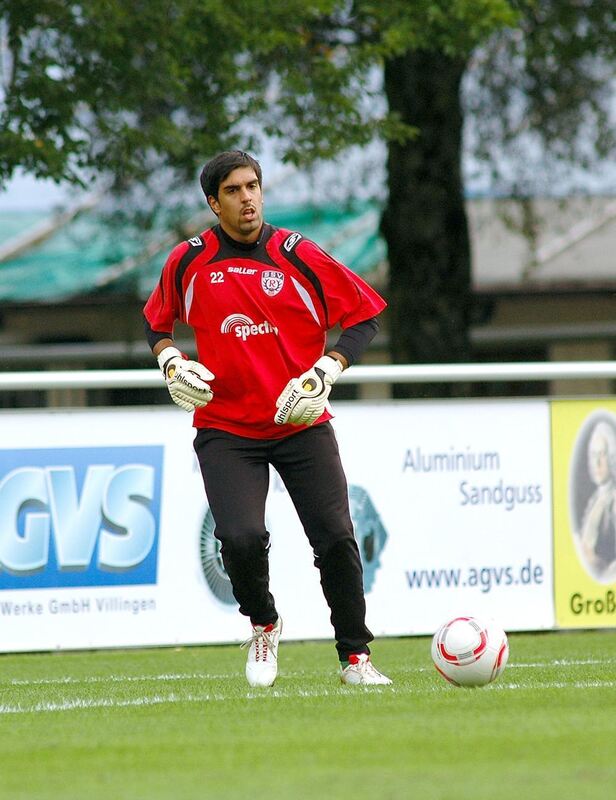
[361,672]
[262,662]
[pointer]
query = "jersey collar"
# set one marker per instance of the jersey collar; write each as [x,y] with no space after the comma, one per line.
[264,235]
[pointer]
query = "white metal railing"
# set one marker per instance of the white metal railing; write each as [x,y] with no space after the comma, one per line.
[390,373]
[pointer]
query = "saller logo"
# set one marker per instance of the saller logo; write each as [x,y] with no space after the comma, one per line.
[243,326]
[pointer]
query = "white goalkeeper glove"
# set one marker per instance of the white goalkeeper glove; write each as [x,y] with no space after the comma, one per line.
[186,379]
[304,399]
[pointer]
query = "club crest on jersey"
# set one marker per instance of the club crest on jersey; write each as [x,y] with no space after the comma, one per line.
[272,281]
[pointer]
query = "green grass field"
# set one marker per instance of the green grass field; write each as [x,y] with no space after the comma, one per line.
[183,724]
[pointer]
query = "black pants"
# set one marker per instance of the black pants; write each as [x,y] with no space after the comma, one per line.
[235,472]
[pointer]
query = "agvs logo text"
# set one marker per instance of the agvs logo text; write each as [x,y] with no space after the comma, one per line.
[79,516]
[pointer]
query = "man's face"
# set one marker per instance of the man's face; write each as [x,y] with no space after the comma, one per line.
[239,205]
[599,460]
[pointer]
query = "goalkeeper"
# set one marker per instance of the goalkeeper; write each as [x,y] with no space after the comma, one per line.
[260,301]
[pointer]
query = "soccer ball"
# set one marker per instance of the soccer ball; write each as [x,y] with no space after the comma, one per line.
[468,651]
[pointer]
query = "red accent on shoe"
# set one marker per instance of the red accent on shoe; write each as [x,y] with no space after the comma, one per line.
[261,645]
[354,658]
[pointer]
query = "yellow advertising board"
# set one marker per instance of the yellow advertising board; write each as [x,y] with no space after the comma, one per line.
[584,496]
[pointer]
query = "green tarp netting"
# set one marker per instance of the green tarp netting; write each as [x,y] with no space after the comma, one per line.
[91,256]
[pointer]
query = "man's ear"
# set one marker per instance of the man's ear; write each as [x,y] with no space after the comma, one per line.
[213,204]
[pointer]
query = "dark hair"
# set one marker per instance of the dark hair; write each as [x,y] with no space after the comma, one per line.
[217,169]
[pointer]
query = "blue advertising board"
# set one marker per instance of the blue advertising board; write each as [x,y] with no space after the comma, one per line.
[79,516]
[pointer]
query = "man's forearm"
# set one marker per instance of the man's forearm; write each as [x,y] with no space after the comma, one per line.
[354,340]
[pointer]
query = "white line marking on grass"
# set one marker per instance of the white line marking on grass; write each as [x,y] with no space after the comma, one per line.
[558,662]
[85,703]
[564,662]
[185,676]
[557,685]
[208,676]
[77,703]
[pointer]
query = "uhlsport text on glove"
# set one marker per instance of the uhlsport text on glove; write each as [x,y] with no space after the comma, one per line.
[186,379]
[303,399]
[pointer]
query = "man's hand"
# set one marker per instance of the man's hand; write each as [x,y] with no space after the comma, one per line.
[186,379]
[304,399]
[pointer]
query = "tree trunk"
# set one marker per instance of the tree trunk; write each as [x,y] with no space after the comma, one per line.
[424,222]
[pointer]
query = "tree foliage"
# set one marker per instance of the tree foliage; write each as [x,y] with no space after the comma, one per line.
[115,87]
[128,88]
[540,94]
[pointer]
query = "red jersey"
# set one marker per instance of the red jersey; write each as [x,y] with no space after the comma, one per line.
[260,314]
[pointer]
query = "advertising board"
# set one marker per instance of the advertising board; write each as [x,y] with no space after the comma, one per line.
[106,538]
[584,458]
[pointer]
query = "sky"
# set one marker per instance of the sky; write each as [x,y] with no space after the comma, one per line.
[25,193]
[358,173]
[363,168]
